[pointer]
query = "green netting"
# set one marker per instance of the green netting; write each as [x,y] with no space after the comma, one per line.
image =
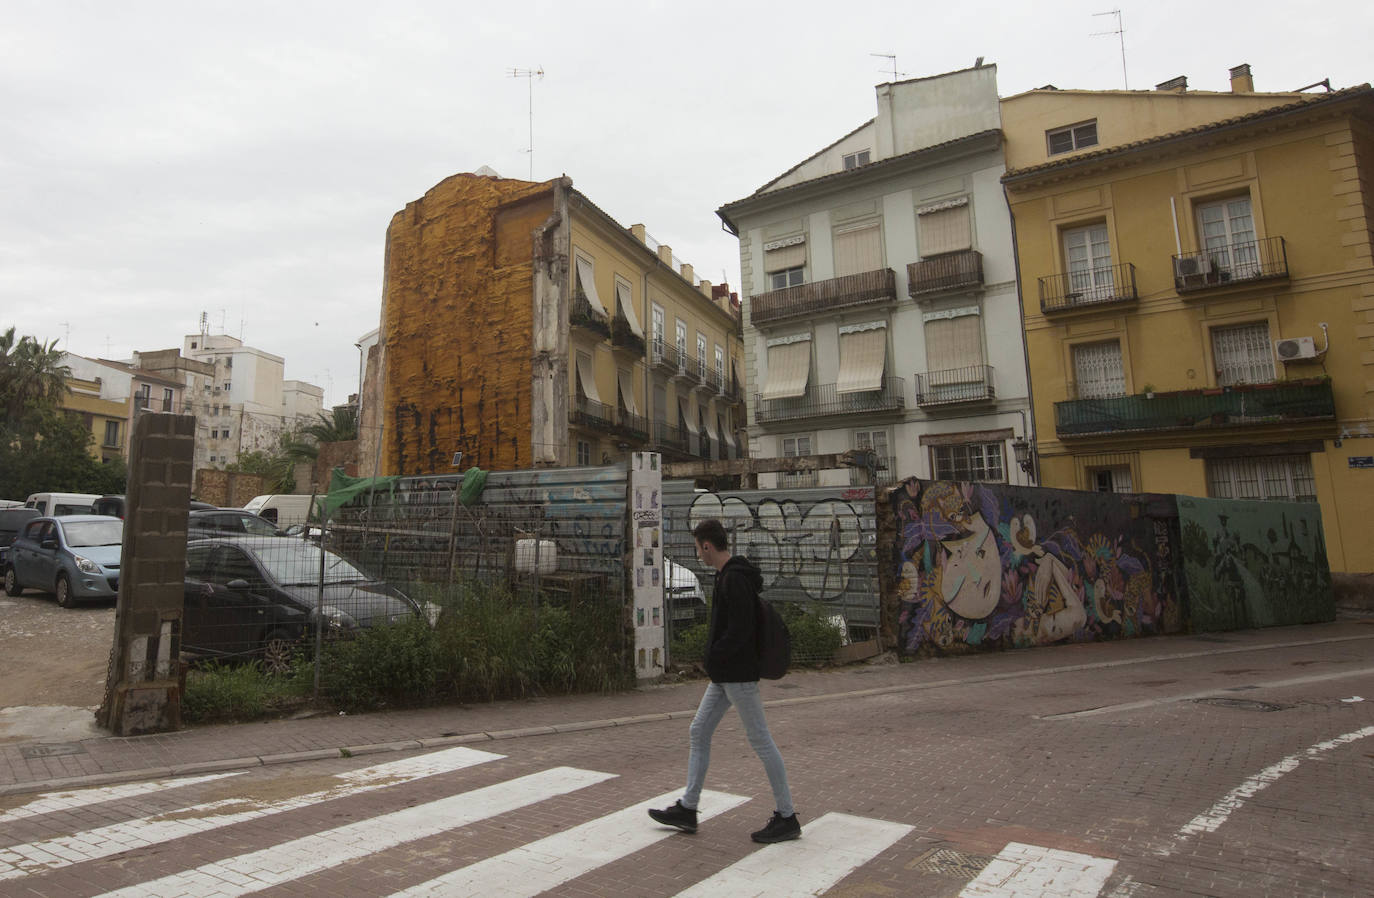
[343,488]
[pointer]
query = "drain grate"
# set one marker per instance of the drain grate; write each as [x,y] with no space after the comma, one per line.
[1242,704]
[948,862]
[51,750]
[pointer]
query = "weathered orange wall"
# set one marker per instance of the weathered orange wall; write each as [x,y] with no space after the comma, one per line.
[456,321]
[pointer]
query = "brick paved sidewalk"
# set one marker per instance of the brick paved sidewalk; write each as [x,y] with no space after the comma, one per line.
[44,765]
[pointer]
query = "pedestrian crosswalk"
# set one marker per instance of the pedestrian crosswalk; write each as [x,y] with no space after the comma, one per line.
[247,842]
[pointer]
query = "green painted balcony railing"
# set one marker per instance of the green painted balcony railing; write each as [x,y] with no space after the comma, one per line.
[1244,405]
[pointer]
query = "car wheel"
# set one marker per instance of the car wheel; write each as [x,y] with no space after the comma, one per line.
[64,591]
[12,587]
[278,651]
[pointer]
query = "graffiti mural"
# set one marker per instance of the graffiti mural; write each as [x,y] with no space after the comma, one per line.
[1254,564]
[992,566]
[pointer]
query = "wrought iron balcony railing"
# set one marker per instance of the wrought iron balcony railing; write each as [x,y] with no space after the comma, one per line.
[821,400]
[954,386]
[733,389]
[600,416]
[1087,289]
[1235,263]
[825,296]
[885,475]
[622,337]
[668,436]
[1243,405]
[951,271]
[581,315]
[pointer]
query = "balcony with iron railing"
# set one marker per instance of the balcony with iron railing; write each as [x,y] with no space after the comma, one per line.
[733,390]
[624,339]
[713,379]
[822,400]
[582,315]
[955,386]
[865,288]
[1231,265]
[1237,406]
[595,415]
[670,438]
[885,473]
[1089,289]
[941,274]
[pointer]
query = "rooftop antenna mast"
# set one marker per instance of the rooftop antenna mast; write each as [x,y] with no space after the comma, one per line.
[892,58]
[1120,33]
[529,75]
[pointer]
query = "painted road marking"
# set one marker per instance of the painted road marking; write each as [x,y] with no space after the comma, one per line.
[550,862]
[104,841]
[831,847]
[1021,870]
[71,799]
[1210,693]
[1211,819]
[258,870]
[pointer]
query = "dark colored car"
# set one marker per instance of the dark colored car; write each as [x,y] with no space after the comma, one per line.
[248,597]
[12,520]
[114,505]
[73,556]
[210,522]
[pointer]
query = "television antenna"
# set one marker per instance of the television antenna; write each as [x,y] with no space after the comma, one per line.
[892,58]
[529,75]
[1120,33]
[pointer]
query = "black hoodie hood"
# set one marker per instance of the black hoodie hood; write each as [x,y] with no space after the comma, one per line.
[740,565]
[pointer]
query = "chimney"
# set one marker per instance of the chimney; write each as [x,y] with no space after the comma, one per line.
[1179,84]
[687,272]
[638,232]
[1241,81]
[705,288]
[665,254]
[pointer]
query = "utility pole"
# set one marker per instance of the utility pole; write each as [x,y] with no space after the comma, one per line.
[529,75]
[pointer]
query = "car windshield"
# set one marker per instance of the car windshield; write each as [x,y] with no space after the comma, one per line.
[94,533]
[62,509]
[259,527]
[295,564]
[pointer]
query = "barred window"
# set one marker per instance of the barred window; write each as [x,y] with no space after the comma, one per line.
[1281,477]
[969,462]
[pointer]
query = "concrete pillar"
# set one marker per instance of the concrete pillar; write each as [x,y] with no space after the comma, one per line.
[143,690]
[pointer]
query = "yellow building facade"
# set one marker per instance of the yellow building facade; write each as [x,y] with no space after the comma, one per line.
[1198,295]
[106,419]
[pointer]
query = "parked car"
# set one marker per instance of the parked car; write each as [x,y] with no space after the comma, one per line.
[682,592]
[208,522]
[75,557]
[249,597]
[58,504]
[12,520]
[114,506]
[283,510]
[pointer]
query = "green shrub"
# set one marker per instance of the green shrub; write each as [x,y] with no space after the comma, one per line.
[689,644]
[382,666]
[815,638]
[218,692]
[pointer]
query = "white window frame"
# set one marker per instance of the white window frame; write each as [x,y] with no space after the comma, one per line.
[1278,478]
[787,277]
[1111,479]
[1226,233]
[584,452]
[982,462]
[1105,358]
[792,447]
[1081,135]
[1242,354]
[660,328]
[1088,260]
[856,159]
[681,335]
[720,366]
[880,441]
[701,356]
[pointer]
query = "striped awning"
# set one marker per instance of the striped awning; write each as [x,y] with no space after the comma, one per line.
[863,358]
[585,375]
[789,366]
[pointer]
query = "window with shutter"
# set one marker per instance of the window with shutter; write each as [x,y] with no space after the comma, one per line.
[1280,477]
[944,229]
[1227,229]
[858,250]
[1242,354]
[1089,258]
[1098,371]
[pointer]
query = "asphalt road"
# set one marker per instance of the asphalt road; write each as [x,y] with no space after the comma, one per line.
[1196,766]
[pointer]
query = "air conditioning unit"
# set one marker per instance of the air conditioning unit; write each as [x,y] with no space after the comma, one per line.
[1190,266]
[1294,349]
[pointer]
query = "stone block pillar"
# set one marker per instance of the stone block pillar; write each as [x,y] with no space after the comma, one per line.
[143,691]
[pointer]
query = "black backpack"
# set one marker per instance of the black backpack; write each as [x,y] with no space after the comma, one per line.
[774,642]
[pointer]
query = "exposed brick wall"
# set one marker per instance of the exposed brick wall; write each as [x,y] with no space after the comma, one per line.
[342,455]
[456,324]
[227,490]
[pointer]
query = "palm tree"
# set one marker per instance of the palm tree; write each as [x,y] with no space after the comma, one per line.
[341,425]
[31,374]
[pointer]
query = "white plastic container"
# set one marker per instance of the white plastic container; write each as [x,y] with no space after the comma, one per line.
[525,557]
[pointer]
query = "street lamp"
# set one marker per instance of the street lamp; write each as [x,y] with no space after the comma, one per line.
[1025,456]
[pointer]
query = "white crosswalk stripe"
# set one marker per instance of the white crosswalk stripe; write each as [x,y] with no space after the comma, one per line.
[248,873]
[550,862]
[1020,870]
[831,847]
[71,799]
[51,854]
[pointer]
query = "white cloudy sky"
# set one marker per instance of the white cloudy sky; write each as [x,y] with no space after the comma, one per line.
[160,159]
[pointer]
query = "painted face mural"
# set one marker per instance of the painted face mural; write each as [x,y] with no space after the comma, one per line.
[996,565]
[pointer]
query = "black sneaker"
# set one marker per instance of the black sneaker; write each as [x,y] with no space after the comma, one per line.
[683,818]
[779,829]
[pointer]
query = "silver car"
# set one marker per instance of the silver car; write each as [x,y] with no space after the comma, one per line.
[75,557]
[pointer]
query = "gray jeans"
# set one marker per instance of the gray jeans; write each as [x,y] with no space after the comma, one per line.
[717,700]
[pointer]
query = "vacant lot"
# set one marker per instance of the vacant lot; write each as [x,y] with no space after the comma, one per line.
[52,655]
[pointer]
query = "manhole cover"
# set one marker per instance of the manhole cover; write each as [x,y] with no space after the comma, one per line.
[948,862]
[51,750]
[1241,704]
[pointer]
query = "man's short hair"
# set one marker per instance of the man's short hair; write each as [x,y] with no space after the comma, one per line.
[713,532]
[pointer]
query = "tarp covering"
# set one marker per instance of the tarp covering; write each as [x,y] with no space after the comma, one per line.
[343,488]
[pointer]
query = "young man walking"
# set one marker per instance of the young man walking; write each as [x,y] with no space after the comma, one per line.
[733,665]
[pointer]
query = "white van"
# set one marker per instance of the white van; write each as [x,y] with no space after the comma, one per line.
[58,504]
[281,509]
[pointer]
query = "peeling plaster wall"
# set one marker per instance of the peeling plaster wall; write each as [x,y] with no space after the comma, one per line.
[457,319]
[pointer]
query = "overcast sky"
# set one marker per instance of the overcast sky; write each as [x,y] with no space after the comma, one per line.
[160,160]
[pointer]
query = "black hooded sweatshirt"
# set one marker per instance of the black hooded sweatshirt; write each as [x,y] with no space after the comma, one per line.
[732,646]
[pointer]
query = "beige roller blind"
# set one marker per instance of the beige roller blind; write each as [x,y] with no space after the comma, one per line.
[627,389]
[585,276]
[858,250]
[586,375]
[688,418]
[944,230]
[954,343]
[863,358]
[622,293]
[784,257]
[711,427]
[789,366]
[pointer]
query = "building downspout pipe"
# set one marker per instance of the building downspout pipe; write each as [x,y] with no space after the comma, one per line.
[1030,434]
